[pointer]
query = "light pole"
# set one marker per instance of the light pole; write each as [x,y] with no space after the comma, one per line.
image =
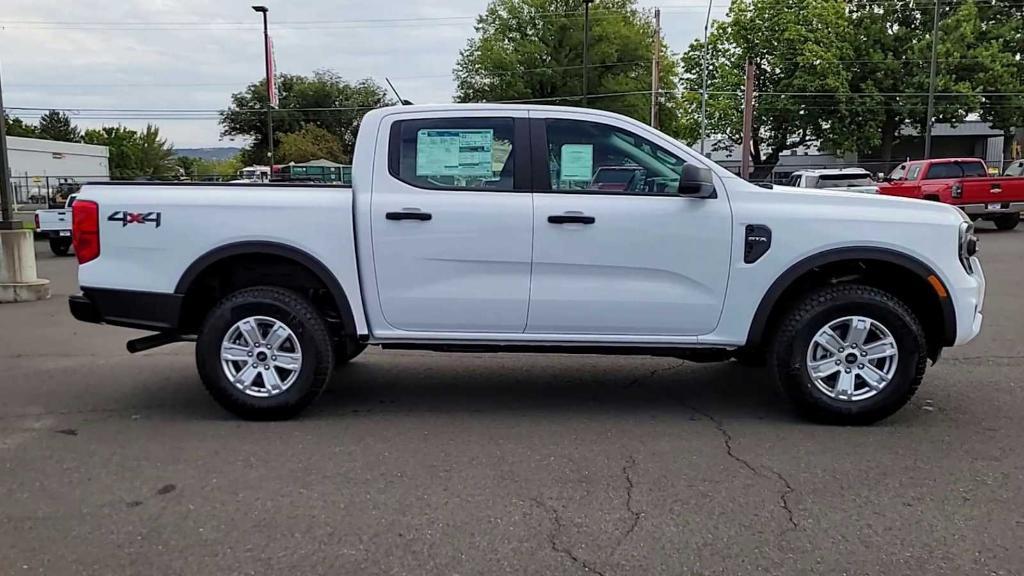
[270,89]
[704,90]
[586,46]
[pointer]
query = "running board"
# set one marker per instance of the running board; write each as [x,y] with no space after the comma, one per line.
[156,341]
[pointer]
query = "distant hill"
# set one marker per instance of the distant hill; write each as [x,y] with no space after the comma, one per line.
[208,153]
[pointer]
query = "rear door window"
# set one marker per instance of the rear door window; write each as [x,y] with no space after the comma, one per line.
[455,153]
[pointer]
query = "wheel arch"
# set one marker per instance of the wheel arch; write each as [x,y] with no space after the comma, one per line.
[222,256]
[936,312]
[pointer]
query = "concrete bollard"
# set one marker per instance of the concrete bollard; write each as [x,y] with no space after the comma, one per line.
[18,280]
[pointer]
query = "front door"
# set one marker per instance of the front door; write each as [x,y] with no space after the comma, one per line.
[616,249]
[452,224]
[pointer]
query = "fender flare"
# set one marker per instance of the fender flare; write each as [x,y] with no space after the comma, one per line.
[755,335]
[263,247]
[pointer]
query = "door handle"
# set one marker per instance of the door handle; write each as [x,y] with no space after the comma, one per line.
[409,215]
[571,219]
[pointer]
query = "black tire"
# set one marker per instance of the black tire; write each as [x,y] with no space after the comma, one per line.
[1006,221]
[60,246]
[309,329]
[788,353]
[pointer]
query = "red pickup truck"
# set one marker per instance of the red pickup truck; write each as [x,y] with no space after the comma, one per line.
[964,183]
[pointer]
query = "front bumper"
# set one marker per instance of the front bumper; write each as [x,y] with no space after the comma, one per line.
[970,300]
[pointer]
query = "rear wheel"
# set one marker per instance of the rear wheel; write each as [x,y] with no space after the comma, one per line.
[264,353]
[60,246]
[849,354]
[1007,221]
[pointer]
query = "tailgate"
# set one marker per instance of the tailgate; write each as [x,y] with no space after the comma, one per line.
[54,219]
[991,190]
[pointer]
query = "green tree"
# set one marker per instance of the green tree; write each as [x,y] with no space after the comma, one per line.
[310,143]
[1000,56]
[323,99]
[56,125]
[226,169]
[801,79]
[17,127]
[533,50]
[891,71]
[135,154]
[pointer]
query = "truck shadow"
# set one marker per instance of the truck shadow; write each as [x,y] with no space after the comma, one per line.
[566,385]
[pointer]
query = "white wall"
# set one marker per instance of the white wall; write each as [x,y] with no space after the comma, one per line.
[32,161]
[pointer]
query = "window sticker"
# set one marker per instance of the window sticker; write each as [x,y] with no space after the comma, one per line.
[454,153]
[577,162]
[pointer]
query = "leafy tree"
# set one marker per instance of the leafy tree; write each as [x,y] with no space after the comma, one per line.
[533,50]
[323,99]
[893,56]
[226,168]
[135,154]
[800,76]
[310,143]
[17,127]
[1000,57]
[187,164]
[56,125]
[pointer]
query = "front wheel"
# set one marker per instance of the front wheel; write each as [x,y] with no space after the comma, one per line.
[849,354]
[1006,221]
[60,246]
[264,353]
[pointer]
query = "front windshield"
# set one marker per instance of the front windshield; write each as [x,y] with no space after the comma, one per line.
[843,180]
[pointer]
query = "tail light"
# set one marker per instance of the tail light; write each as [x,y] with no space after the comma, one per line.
[37,222]
[958,190]
[85,230]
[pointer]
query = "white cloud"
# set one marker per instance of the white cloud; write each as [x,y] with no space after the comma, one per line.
[138,54]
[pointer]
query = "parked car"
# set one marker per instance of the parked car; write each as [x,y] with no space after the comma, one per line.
[55,225]
[467,230]
[964,183]
[1015,169]
[843,179]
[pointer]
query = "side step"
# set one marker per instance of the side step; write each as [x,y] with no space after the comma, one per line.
[155,341]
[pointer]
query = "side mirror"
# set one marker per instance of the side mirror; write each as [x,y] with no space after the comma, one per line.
[881,177]
[697,182]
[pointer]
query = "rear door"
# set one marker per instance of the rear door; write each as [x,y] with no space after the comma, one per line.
[636,259]
[452,222]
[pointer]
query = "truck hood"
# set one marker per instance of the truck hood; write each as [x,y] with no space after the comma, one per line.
[894,207]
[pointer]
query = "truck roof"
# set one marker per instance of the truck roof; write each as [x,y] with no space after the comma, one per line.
[833,171]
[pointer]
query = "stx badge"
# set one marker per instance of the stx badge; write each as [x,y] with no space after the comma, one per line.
[126,218]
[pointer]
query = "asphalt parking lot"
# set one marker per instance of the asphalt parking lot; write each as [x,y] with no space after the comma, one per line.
[422,463]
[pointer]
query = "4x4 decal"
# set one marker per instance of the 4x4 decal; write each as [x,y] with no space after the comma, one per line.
[126,218]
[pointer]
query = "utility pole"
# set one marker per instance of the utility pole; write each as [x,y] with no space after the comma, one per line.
[748,122]
[268,57]
[931,87]
[586,47]
[6,199]
[656,69]
[704,90]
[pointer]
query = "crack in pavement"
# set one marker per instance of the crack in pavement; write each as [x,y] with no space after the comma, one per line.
[637,514]
[553,539]
[651,374]
[788,489]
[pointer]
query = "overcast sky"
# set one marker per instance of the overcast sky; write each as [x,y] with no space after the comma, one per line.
[192,54]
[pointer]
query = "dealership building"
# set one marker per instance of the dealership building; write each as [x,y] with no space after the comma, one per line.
[39,166]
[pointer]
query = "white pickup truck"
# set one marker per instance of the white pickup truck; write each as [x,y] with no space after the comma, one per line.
[55,226]
[480,228]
